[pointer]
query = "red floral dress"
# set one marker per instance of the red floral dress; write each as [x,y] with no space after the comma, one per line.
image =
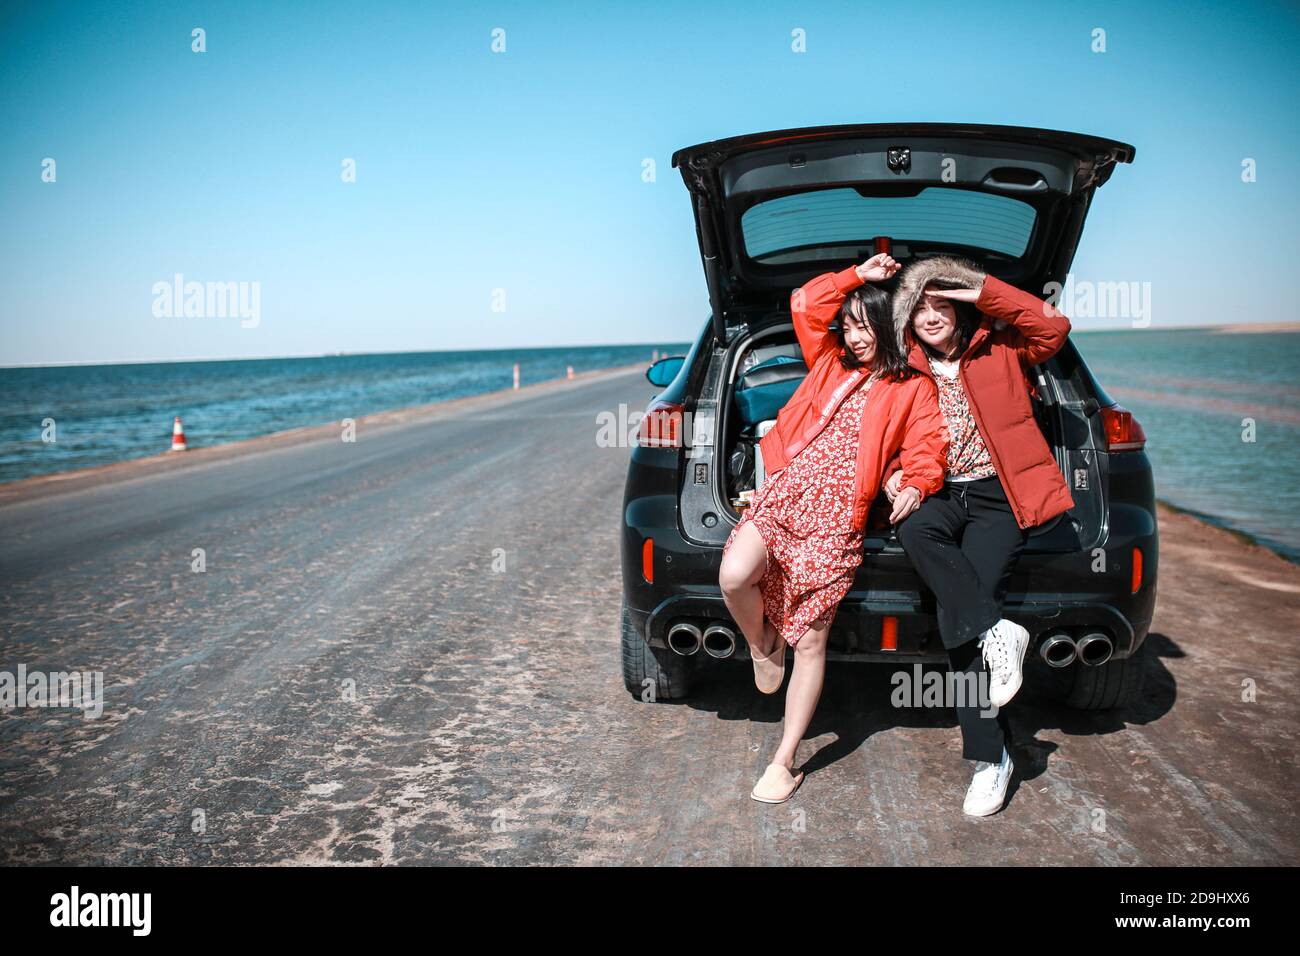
[805,514]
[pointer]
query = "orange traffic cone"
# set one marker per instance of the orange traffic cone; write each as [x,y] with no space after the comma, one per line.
[178,436]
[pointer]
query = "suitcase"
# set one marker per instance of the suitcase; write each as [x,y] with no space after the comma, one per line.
[763,389]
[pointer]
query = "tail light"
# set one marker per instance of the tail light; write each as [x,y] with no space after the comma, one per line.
[889,634]
[881,244]
[648,560]
[1136,582]
[1123,433]
[661,426]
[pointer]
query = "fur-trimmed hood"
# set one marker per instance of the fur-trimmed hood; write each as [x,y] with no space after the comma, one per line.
[943,272]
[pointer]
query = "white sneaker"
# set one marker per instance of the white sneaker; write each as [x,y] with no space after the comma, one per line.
[988,788]
[1004,646]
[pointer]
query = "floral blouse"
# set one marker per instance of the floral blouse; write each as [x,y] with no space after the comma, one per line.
[968,457]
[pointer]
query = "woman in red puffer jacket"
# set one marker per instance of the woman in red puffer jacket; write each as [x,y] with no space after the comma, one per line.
[976,338]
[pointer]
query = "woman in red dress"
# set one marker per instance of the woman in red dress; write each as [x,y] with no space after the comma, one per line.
[794,553]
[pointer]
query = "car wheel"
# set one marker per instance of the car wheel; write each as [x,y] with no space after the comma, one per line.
[1117,683]
[651,673]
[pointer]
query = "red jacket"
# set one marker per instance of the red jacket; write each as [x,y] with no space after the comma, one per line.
[900,419]
[1024,332]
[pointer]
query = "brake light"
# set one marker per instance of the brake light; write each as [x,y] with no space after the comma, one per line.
[889,634]
[1136,582]
[648,560]
[1123,433]
[661,426]
[881,244]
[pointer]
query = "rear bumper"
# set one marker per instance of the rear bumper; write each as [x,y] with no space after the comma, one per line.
[1073,590]
[858,629]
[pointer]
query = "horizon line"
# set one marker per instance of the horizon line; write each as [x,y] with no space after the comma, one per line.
[312,355]
[532,348]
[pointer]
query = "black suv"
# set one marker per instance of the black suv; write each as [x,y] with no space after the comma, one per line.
[772,210]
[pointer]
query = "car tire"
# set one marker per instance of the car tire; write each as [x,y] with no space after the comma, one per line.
[669,674]
[1115,684]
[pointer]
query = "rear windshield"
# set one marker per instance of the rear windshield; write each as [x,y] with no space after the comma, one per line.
[804,225]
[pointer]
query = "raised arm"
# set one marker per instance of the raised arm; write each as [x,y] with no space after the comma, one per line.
[1042,329]
[1037,331]
[814,305]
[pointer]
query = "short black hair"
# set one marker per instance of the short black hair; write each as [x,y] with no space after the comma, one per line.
[869,304]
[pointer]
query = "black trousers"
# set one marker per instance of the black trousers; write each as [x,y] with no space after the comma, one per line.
[963,542]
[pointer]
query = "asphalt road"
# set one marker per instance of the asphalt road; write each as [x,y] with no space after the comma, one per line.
[405,650]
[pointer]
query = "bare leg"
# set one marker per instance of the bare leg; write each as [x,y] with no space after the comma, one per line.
[804,691]
[742,568]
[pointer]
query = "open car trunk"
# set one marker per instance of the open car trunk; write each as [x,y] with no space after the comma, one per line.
[762,370]
[774,209]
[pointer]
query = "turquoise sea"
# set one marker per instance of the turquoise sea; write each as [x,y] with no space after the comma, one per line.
[108,413]
[1197,394]
[1221,411]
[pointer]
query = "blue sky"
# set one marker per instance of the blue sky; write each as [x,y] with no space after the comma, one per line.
[521,171]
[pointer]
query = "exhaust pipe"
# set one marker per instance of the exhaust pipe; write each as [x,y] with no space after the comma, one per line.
[719,641]
[1095,648]
[1058,649]
[684,638]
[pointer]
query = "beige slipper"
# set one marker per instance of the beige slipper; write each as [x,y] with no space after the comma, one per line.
[769,672]
[777,785]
